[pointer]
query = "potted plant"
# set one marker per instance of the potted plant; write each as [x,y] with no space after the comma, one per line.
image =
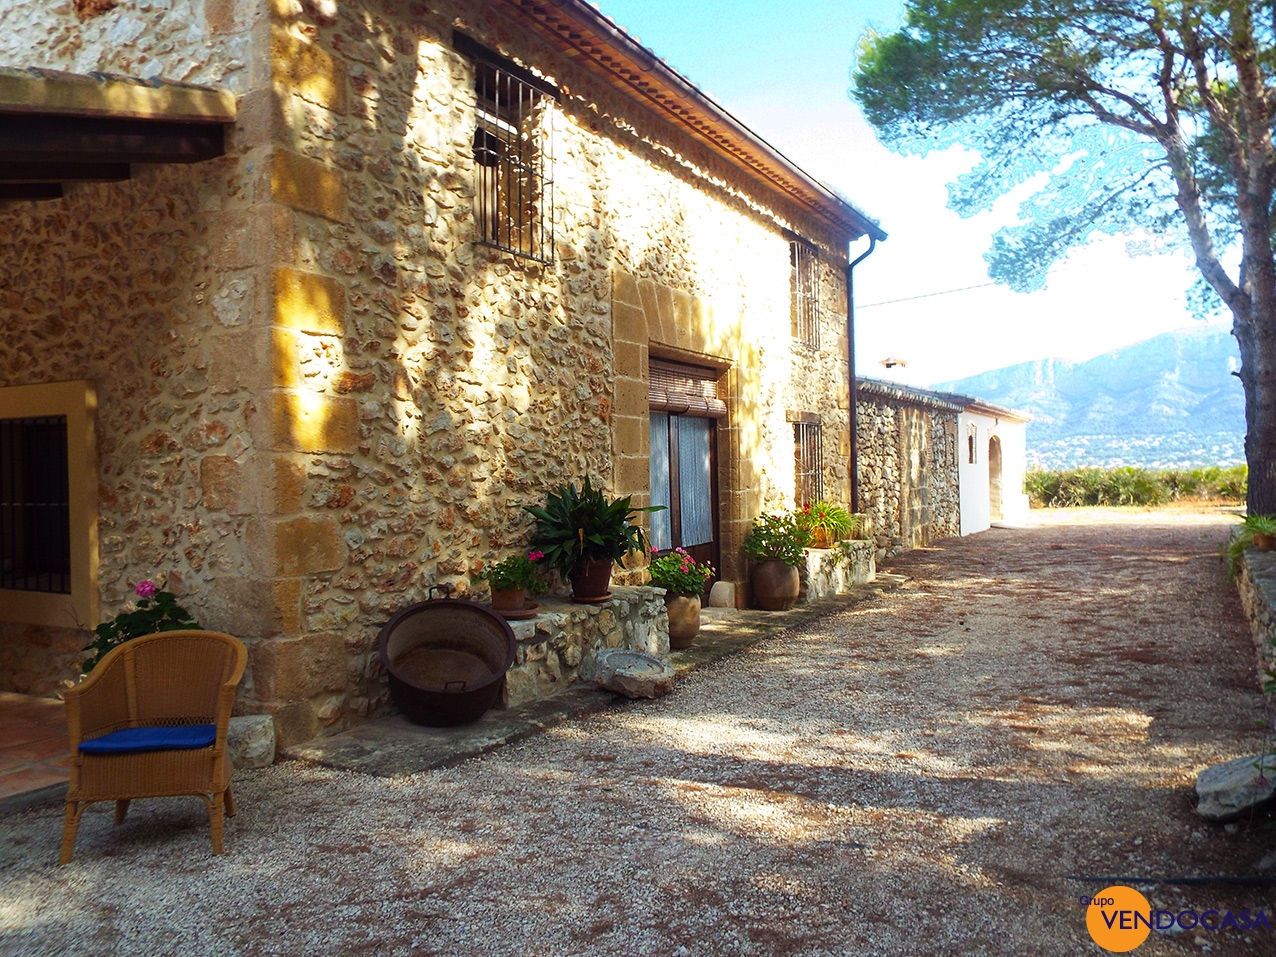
[778,544]
[1262,530]
[827,523]
[156,611]
[684,580]
[512,579]
[583,533]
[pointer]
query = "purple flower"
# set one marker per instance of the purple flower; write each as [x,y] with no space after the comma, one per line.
[145,589]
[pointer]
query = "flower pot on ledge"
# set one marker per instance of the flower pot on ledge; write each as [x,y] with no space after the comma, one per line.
[776,585]
[509,599]
[593,582]
[684,619]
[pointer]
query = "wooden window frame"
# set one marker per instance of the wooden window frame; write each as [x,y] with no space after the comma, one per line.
[77,402]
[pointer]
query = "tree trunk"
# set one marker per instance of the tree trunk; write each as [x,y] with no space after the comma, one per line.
[1257,341]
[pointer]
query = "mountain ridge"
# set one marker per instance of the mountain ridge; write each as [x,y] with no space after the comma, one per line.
[1166,402]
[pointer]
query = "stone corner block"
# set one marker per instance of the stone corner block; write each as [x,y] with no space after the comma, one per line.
[290,669]
[309,422]
[307,185]
[309,302]
[1228,790]
[250,741]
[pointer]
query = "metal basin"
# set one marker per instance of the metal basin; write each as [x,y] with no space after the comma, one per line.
[446,660]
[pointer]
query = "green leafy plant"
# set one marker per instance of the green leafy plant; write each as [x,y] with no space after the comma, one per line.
[1259,524]
[827,517]
[575,527]
[517,571]
[777,538]
[680,574]
[155,611]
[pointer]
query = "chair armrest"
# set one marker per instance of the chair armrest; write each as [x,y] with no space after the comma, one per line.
[97,705]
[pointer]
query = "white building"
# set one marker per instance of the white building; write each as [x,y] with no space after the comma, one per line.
[991,464]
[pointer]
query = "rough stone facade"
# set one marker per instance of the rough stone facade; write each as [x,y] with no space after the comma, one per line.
[319,394]
[908,451]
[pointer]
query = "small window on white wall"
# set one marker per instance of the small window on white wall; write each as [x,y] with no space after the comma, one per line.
[972,444]
[48,505]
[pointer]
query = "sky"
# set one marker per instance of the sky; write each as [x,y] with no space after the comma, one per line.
[783,69]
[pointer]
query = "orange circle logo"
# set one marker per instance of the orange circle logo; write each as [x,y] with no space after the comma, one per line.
[1119,918]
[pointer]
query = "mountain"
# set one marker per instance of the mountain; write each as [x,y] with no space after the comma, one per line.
[1167,402]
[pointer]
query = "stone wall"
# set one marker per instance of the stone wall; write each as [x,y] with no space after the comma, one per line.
[908,469]
[144,287]
[1256,583]
[559,646]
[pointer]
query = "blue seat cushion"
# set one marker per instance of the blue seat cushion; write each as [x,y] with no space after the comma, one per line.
[161,738]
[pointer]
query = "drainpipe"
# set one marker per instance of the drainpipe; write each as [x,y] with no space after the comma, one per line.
[850,369]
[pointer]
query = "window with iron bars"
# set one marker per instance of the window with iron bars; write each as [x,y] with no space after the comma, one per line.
[805,262]
[513,155]
[35,505]
[808,446]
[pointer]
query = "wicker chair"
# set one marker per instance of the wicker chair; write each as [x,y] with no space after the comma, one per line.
[151,721]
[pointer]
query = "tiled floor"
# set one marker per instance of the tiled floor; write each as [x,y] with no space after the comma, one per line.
[33,744]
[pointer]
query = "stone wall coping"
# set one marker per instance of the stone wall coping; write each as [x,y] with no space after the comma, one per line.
[904,393]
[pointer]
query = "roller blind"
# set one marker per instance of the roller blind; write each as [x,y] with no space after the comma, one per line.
[684,390]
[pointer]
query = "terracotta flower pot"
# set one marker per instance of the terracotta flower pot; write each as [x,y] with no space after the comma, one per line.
[1264,543]
[592,583]
[684,619]
[822,538]
[509,599]
[776,586]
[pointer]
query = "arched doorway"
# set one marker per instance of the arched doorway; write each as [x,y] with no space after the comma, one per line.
[994,480]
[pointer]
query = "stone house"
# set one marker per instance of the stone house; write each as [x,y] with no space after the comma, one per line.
[936,464]
[320,313]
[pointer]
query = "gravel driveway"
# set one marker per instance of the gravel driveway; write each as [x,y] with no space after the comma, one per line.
[920,774]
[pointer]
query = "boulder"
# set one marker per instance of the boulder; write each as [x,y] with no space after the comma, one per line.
[1226,791]
[635,674]
[250,741]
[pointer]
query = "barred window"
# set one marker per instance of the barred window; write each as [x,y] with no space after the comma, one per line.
[35,505]
[808,446]
[513,154]
[805,262]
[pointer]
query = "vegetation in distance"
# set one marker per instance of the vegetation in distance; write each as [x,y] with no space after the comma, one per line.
[1134,486]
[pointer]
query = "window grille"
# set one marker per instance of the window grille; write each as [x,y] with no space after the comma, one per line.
[35,505]
[808,444]
[805,262]
[513,155]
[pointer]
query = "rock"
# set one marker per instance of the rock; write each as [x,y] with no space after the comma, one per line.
[634,674]
[1228,790]
[722,595]
[250,741]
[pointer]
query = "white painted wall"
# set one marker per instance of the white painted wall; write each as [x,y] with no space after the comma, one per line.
[973,478]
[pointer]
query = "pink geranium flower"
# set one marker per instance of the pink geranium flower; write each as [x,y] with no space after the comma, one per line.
[146,589]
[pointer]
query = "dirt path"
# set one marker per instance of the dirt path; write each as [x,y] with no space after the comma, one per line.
[921,774]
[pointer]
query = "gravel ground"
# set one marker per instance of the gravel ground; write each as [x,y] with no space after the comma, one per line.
[921,774]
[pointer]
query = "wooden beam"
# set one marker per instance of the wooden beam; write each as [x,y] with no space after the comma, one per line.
[27,139]
[20,191]
[63,172]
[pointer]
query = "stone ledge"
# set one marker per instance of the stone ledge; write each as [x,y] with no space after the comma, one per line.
[1257,586]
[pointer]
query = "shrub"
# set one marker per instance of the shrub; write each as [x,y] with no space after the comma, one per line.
[679,574]
[1133,486]
[156,611]
[517,571]
[834,520]
[777,538]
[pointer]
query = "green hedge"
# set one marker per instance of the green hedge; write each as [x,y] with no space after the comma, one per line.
[1134,486]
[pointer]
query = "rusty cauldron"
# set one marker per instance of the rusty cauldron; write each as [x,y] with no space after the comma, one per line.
[446,660]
